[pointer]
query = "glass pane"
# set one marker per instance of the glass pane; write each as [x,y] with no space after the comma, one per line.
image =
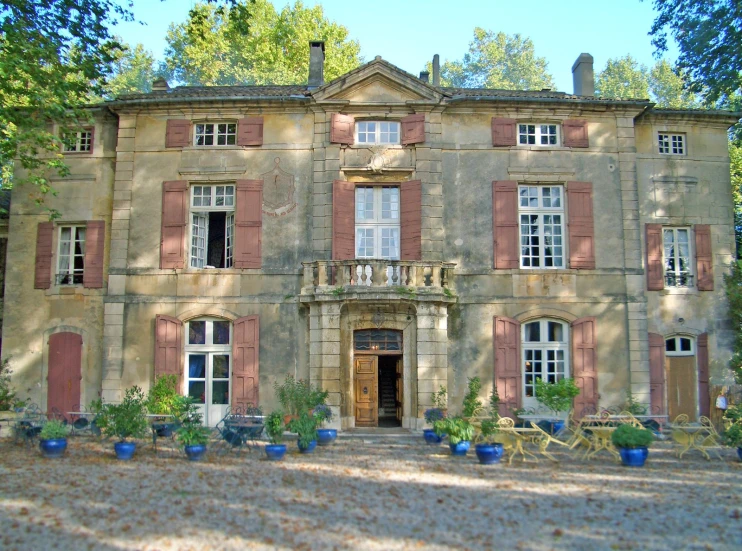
[533,332]
[197,366]
[670,345]
[197,332]
[197,391]
[555,332]
[221,332]
[220,393]
[220,366]
[685,345]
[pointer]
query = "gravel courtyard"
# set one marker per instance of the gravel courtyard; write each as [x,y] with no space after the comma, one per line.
[364,492]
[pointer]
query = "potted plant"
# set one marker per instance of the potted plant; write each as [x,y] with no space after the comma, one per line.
[274,429]
[632,443]
[125,420]
[472,404]
[733,437]
[431,416]
[460,432]
[297,396]
[53,439]
[163,399]
[191,433]
[488,450]
[323,414]
[558,398]
[305,426]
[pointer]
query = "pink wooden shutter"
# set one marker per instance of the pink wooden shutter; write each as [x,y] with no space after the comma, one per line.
[95,239]
[411,220]
[65,372]
[656,373]
[245,362]
[174,220]
[655,271]
[342,129]
[92,139]
[581,226]
[704,260]
[344,220]
[248,221]
[505,224]
[43,268]
[575,133]
[503,132]
[704,399]
[178,133]
[508,375]
[168,348]
[250,131]
[585,364]
[413,129]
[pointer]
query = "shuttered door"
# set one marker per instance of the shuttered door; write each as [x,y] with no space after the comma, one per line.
[581,226]
[413,129]
[178,133]
[248,221]
[343,220]
[65,372]
[704,260]
[657,373]
[411,220]
[655,272]
[585,365]
[250,131]
[168,348]
[174,221]
[575,133]
[503,132]
[505,224]
[43,266]
[704,399]
[95,239]
[508,375]
[342,129]
[245,361]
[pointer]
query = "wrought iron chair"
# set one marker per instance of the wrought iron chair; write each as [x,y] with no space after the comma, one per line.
[28,427]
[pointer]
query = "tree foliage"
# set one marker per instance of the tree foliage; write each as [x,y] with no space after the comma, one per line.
[210,48]
[709,36]
[133,70]
[500,61]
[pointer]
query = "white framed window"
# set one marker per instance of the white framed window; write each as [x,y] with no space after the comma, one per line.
[542,134]
[545,355]
[212,226]
[70,255]
[78,142]
[377,132]
[679,346]
[677,257]
[208,366]
[541,214]
[215,133]
[671,144]
[377,222]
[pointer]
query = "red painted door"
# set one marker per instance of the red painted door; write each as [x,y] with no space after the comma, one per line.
[65,372]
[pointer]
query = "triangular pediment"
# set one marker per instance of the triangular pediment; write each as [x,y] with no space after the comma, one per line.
[377,82]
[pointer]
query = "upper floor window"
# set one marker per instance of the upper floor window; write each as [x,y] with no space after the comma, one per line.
[679,346]
[212,226]
[377,222]
[538,134]
[545,351]
[541,212]
[671,144]
[71,255]
[78,142]
[377,132]
[222,133]
[677,257]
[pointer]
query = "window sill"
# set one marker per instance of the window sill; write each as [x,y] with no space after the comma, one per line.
[542,147]
[679,291]
[71,290]
[370,145]
[216,147]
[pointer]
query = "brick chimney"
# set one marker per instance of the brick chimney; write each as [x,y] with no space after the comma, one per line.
[583,78]
[316,63]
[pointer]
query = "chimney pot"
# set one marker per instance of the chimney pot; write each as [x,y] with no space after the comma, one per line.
[425,76]
[436,70]
[316,63]
[583,77]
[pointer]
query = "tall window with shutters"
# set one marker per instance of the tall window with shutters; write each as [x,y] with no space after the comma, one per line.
[677,257]
[377,227]
[212,226]
[70,255]
[541,212]
[545,355]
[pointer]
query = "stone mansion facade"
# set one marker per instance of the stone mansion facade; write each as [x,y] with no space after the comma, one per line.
[381,236]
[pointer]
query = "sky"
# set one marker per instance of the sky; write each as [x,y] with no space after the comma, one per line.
[408,33]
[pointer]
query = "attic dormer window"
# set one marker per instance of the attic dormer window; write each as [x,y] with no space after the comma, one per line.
[222,133]
[377,133]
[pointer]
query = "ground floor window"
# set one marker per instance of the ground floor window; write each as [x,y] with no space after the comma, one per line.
[208,366]
[545,355]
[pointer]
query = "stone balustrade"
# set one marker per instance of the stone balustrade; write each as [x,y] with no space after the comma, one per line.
[377,273]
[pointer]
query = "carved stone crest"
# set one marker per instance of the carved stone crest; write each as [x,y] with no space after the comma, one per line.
[278,191]
[377,164]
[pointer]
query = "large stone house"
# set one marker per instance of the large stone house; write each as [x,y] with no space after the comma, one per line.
[381,236]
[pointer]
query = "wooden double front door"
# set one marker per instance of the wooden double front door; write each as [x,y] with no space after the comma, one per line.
[367,389]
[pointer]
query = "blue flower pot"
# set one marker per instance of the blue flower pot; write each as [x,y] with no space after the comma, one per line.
[633,457]
[275,452]
[124,450]
[325,437]
[54,447]
[461,448]
[556,426]
[309,448]
[739,453]
[489,453]
[195,453]
[431,437]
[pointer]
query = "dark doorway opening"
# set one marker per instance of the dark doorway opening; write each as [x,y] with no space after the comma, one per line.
[390,391]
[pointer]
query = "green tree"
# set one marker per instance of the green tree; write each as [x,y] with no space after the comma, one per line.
[735,156]
[210,48]
[668,89]
[624,78]
[499,61]
[133,70]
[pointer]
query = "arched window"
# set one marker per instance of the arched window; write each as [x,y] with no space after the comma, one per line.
[208,365]
[545,355]
[679,346]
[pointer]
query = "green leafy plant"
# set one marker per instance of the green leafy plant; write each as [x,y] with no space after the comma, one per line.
[337,291]
[53,430]
[634,407]
[297,396]
[734,413]
[7,394]
[127,419]
[472,403]
[733,435]
[440,398]
[494,403]
[629,436]
[323,414]
[432,415]
[457,428]
[488,429]
[556,396]
[305,426]
[191,431]
[274,426]
[163,398]
[193,435]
